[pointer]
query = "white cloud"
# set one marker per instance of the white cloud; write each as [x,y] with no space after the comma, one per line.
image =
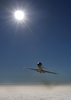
[33,92]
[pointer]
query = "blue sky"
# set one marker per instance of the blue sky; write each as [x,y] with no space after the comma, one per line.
[45,38]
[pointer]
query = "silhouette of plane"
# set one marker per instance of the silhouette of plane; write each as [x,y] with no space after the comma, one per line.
[40,69]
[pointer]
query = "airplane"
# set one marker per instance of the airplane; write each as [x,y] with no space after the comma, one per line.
[40,69]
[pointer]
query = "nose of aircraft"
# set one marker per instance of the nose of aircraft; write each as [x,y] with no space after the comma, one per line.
[39,63]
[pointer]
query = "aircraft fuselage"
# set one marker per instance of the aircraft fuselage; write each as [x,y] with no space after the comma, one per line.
[40,69]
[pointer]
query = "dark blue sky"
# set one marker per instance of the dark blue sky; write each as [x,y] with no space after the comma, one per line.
[46,37]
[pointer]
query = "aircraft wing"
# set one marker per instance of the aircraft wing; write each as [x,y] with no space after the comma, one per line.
[45,68]
[31,68]
[49,72]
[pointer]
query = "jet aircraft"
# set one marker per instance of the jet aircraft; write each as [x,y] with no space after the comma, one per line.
[40,69]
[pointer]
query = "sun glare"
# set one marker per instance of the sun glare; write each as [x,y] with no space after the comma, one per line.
[19,15]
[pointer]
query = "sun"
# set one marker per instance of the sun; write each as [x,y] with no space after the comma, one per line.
[19,15]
